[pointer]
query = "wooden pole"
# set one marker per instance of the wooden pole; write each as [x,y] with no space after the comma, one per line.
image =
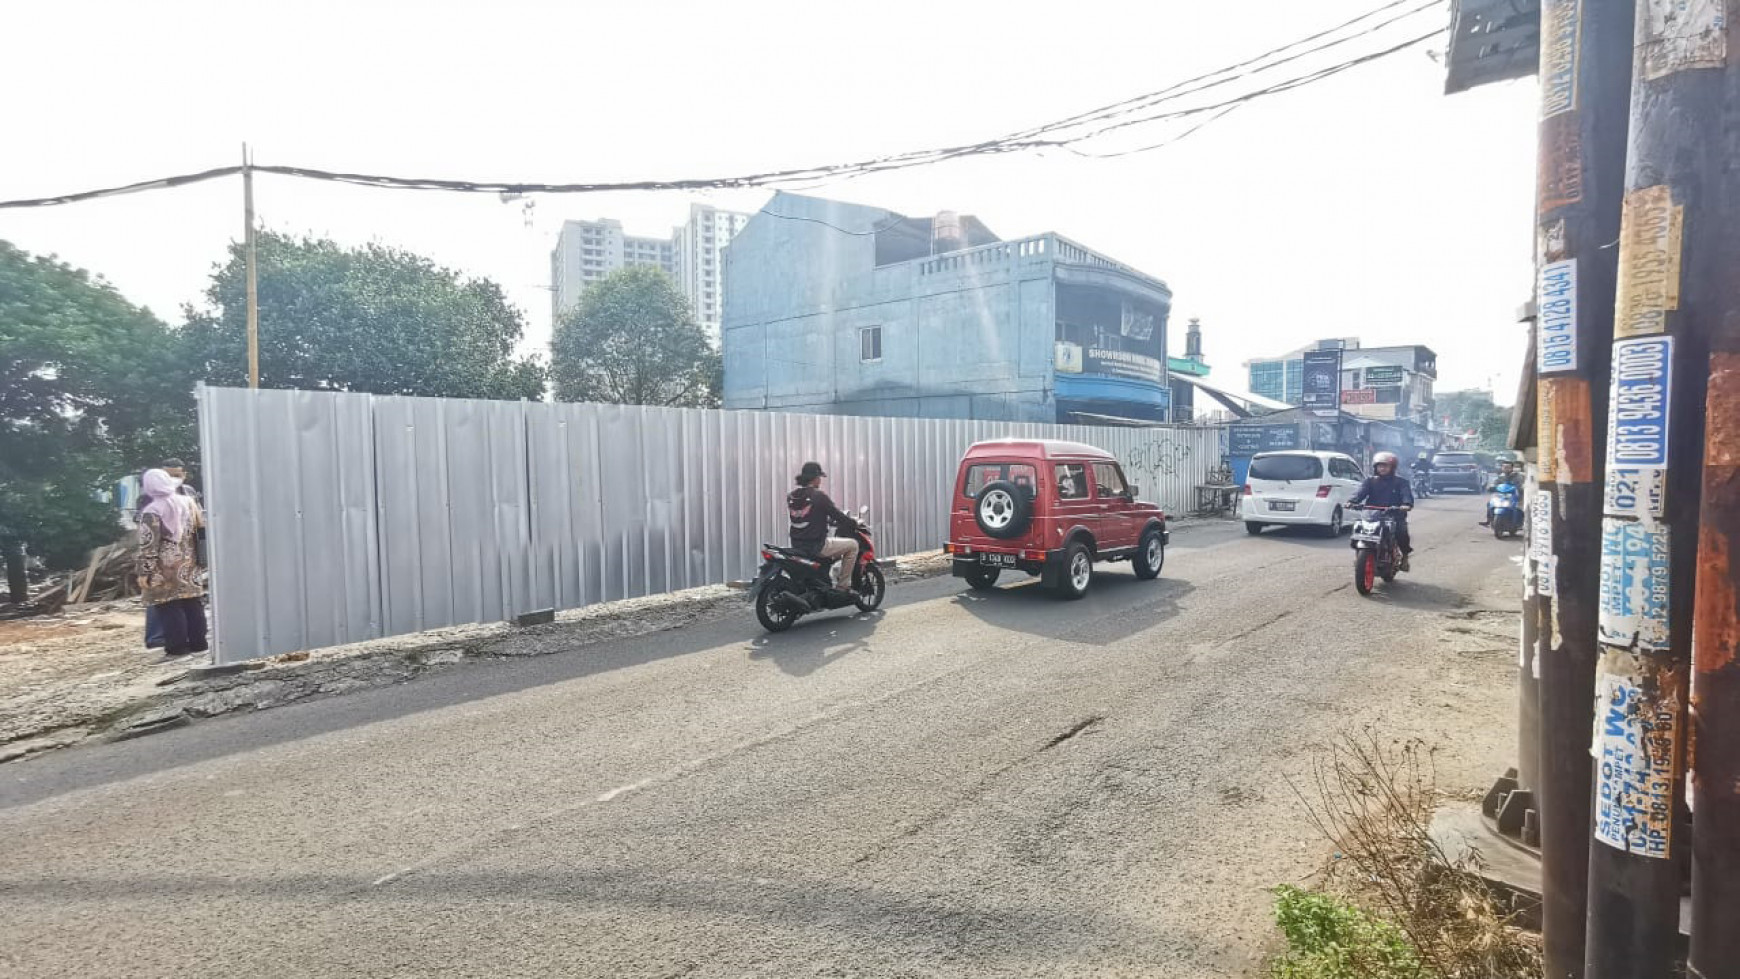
[253,278]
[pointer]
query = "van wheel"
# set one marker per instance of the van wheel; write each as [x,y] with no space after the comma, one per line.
[1150,556]
[1077,572]
[983,579]
[1335,524]
[1253,528]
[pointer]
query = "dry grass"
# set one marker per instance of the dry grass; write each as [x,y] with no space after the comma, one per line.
[1373,800]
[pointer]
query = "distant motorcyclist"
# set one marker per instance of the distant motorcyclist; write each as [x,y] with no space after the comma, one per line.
[1387,489]
[811,512]
[1507,476]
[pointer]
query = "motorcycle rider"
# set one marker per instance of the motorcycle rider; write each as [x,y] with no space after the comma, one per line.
[811,512]
[1507,476]
[1387,489]
[1423,471]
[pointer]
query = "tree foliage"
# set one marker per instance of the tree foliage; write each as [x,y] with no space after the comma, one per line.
[373,319]
[1474,411]
[91,387]
[632,340]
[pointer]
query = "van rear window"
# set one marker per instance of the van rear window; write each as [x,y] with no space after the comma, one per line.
[1286,467]
[981,476]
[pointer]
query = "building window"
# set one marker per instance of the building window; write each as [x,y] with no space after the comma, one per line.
[870,344]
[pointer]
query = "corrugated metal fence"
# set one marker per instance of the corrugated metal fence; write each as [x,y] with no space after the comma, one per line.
[342,517]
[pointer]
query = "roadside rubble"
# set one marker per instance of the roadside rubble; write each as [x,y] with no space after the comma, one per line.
[83,674]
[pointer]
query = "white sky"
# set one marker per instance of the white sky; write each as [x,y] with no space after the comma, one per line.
[1367,205]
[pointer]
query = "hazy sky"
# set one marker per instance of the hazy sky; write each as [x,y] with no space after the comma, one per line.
[1367,205]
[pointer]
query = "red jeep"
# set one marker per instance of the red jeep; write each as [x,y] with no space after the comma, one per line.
[1049,509]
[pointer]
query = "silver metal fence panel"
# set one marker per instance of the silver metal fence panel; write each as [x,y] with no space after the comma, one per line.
[407,514]
[289,479]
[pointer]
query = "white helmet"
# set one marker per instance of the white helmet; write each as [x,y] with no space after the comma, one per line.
[1383,458]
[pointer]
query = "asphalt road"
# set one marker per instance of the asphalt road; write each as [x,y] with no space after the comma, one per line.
[966,784]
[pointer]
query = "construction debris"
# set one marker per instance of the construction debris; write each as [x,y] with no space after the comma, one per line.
[107,577]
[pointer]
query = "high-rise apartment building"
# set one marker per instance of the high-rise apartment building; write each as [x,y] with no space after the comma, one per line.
[700,250]
[587,251]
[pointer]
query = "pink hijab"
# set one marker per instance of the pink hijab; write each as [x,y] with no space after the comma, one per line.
[175,510]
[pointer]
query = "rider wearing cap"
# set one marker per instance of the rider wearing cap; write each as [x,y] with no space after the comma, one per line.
[1387,489]
[811,512]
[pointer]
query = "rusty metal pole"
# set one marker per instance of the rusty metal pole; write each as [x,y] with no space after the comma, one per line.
[1667,308]
[1715,702]
[1585,72]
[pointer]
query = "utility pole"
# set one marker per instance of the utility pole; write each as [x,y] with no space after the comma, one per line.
[253,279]
[1669,306]
[1585,78]
[1715,703]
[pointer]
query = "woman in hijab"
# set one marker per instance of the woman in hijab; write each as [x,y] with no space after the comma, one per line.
[168,573]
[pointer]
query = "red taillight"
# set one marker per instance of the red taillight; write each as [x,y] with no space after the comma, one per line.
[1247,489]
[1323,492]
[766,555]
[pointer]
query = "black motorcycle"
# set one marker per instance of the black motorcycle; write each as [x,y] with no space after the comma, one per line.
[1375,551]
[1422,483]
[792,585]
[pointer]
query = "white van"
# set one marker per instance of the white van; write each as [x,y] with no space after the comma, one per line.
[1299,488]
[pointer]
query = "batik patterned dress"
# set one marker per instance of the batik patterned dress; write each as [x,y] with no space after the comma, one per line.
[167,564]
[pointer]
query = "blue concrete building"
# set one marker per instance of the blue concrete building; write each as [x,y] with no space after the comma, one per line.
[837,308]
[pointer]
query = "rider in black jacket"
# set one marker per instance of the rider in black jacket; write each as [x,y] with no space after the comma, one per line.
[811,512]
[1384,487]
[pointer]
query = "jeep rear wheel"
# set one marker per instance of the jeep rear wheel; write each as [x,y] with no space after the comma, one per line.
[982,579]
[1077,572]
[1150,555]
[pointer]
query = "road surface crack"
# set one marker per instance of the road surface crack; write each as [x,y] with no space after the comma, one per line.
[1075,729]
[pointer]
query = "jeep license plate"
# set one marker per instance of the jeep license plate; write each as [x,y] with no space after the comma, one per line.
[1286,506]
[998,560]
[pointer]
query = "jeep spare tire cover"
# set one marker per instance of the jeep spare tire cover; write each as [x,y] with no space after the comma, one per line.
[1003,510]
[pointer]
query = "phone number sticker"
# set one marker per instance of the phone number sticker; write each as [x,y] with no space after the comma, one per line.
[1634,585]
[1637,432]
[1634,753]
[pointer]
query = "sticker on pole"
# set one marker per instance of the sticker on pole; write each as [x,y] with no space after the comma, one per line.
[1636,493]
[1649,262]
[1634,585]
[1634,761]
[1680,35]
[1637,431]
[1561,22]
[1541,527]
[1556,341]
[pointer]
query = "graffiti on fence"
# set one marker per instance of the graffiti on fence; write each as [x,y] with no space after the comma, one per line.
[1153,459]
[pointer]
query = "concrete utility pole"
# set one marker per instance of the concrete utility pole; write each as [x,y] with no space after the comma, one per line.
[1715,769]
[1585,77]
[1670,303]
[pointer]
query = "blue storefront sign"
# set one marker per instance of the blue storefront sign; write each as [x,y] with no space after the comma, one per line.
[1322,381]
[1637,433]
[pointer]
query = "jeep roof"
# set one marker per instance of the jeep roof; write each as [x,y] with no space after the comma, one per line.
[1028,448]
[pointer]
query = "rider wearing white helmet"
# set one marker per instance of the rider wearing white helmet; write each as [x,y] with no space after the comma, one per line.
[1384,487]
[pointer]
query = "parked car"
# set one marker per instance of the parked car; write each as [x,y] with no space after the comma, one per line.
[1299,487]
[1053,509]
[1458,470]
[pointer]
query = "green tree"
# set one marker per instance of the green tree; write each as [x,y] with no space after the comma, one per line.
[373,319]
[631,340]
[91,387]
[1474,411]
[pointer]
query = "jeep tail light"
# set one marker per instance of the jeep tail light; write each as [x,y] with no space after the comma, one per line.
[948,548]
[1323,492]
[1247,489]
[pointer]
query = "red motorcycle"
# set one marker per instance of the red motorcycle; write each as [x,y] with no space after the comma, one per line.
[791,585]
[1375,551]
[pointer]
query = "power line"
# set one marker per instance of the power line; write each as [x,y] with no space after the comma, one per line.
[1025,140]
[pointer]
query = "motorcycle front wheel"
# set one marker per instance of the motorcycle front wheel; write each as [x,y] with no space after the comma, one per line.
[774,617]
[870,589]
[1364,570]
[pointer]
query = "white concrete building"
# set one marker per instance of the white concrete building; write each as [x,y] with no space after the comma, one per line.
[587,251]
[700,250]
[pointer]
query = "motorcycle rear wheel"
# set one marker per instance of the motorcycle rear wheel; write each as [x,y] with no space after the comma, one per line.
[774,618]
[872,587]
